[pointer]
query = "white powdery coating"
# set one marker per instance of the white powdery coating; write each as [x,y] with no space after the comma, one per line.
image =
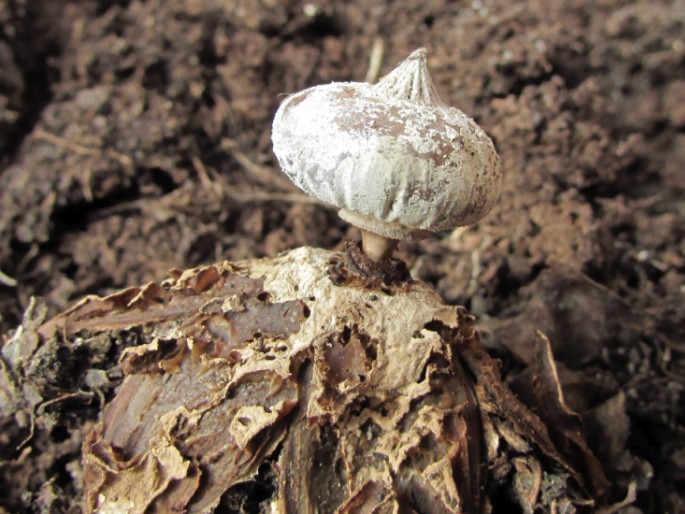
[426,167]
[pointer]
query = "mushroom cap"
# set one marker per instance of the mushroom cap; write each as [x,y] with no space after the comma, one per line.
[396,163]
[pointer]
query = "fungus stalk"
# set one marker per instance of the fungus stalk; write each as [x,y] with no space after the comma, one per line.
[376,247]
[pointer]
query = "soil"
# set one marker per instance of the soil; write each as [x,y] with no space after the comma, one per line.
[135,138]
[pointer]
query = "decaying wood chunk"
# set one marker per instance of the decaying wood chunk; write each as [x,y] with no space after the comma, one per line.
[326,395]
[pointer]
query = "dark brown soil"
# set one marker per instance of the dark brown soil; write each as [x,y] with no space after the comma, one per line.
[134,138]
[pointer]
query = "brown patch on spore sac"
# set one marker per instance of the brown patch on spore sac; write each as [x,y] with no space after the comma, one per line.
[297,99]
[354,268]
[445,146]
[427,190]
[347,93]
[388,122]
[374,114]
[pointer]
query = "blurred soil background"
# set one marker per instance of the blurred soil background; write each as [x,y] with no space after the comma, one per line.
[134,138]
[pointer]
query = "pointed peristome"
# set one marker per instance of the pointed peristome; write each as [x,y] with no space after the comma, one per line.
[411,81]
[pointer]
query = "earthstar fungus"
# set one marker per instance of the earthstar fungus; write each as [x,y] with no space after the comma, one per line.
[394,159]
[288,385]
